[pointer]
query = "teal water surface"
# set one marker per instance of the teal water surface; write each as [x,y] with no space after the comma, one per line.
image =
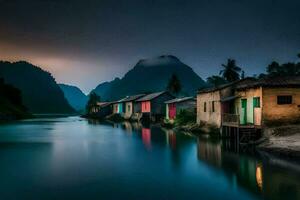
[74,158]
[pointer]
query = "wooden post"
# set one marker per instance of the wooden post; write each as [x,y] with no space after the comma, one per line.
[238,139]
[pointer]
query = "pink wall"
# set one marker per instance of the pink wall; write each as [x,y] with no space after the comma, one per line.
[146,106]
[172,111]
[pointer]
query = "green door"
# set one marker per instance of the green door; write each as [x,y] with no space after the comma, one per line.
[243,111]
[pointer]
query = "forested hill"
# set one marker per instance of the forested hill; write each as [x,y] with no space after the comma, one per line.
[151,75]
[40,92]
[11,105]
[76,98]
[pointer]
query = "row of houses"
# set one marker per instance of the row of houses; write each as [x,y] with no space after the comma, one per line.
[245,105]
[153,107]
[250,104]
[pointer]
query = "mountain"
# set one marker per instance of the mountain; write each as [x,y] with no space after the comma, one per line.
[76,98]
[40,92]
[11,105]
[151,75]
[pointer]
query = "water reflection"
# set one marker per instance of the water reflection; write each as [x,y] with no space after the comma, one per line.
[259,175]
[170,138]
[139,161]
[256,174]
[146,136]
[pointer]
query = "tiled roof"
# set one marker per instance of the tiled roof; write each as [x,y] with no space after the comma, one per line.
[279,81]
[220,87]
[182,99]
[151,96]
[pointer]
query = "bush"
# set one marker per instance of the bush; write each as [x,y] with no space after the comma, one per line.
[185,117]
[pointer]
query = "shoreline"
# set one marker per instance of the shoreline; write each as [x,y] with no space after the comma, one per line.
[279,141]
[283,141]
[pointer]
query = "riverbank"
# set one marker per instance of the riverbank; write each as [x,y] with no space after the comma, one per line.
[282,141]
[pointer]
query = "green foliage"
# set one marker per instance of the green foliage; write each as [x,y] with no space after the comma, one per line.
[174,85]
[231,71]
[185,117]
[215,80]
[11,104]
[286,69]
[93,99]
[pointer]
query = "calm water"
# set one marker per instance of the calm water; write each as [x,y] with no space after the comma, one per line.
[73,158]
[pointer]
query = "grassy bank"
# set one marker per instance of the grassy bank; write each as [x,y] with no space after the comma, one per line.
[186,121]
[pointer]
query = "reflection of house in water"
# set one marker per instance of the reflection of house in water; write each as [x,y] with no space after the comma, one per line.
[209,152]
[261,178]
[239,168]
[146,137]
[280,182]
[171,138]
[137,126]
[127,126]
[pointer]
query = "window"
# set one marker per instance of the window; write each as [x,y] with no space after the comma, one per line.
[284,99]
[213,106]
[204,106]
[128,108]
[256,102]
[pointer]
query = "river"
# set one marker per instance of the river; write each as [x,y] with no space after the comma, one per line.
[74,158]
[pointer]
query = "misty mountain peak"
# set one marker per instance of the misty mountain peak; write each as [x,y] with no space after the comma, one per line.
[158,61]
[151,75]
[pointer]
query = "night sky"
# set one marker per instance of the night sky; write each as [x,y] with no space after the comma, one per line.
[87,42]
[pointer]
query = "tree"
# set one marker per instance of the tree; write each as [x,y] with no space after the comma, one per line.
[291,68]
[215,80]
[286,69]
[231,71]
[174,85]
[274,68]
[93,99]
[243,74]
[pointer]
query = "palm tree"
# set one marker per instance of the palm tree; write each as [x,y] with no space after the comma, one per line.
[174,85]
[231,71]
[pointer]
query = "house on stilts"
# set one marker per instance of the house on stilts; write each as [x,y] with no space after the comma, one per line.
[152,106]
[175,106]
[101,110]
[118,107]
[243,108]
[129,105]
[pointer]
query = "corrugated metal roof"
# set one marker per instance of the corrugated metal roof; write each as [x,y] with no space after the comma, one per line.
[182,99]
[118,101]
[103,104]
[151,96]
[131,98]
